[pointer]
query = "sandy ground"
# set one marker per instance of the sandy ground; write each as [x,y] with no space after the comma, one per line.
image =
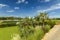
[53,34]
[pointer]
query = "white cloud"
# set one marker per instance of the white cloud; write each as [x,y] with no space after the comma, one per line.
[10,10]
[53,7]
[44,0]
[55,16]
[20,1]
[3,5]
[47,0]
[23,0]
[16,8]
[26,2]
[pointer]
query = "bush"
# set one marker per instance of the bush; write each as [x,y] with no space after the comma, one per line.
[47,28]
[50,22]
[37,35]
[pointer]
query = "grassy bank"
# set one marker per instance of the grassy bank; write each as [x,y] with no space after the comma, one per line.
[5,33]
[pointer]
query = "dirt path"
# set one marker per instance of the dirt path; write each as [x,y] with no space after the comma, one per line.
[53,34]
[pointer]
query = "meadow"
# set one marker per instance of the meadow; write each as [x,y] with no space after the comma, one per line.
[7,32]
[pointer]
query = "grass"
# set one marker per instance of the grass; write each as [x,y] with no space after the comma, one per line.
[57,21]
[5,33]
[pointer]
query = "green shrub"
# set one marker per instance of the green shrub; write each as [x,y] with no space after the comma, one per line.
[47,28]
[36,35]
[50,22]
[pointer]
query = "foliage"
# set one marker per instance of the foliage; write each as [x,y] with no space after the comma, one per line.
[28,26]
[37,35]
[10,18]
[47,27]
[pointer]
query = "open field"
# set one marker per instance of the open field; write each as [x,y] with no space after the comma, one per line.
[7,32]
[57,21]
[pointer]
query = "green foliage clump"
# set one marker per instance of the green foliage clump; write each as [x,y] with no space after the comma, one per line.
[50,22]
[33,34]
[28,30]
[47,27]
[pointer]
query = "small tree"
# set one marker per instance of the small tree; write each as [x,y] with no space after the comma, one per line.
[26,28]
[41,19]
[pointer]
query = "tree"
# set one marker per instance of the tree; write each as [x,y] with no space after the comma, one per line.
[41,19]
[26,28]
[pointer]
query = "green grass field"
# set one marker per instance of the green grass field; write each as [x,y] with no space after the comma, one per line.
[5,33]
[57,21]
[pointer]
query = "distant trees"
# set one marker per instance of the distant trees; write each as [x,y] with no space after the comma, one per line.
[10,18]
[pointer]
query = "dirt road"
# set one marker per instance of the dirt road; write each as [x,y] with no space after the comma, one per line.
[53,34]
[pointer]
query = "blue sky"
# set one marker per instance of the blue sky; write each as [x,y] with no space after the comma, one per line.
[25,8]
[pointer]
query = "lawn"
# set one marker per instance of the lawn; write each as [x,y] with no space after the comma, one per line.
[7,32]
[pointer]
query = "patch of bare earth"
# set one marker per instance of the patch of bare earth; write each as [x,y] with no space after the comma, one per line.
[53,34]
